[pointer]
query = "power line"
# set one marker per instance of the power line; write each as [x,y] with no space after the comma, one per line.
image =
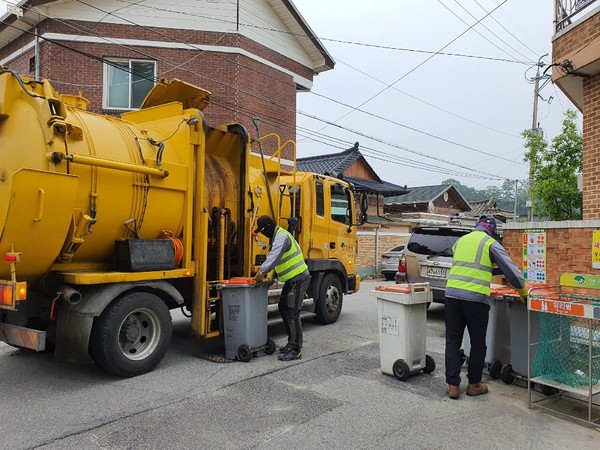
[483,25]
[414,68]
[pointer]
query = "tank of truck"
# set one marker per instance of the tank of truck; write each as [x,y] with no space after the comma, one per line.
[73,182]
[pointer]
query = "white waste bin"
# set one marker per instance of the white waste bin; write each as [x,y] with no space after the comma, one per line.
[402,315]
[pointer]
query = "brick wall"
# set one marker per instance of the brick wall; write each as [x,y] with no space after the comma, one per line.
[374,242]
[591,147]
[568,246]
[241,87]
[564,47]
[576,38]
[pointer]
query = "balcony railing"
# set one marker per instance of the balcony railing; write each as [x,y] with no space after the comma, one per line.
[566,11]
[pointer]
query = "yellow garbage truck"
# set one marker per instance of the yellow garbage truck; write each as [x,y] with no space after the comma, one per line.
[108,223]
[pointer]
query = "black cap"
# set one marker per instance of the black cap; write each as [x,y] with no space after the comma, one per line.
[487,223]
[265,225]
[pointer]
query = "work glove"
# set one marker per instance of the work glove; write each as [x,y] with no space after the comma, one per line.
[522,294]
[260,277]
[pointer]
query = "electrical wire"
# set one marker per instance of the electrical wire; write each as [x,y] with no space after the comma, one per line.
[414,68]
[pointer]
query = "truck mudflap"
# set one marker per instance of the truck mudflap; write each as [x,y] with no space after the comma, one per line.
[353,284]
[23,337]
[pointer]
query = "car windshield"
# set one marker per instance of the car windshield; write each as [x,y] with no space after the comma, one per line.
[434,241]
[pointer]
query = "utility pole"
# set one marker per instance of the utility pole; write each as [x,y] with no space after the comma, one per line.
[515,207]
[535,131]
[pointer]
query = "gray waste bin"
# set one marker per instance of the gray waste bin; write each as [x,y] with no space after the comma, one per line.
[497,338]
[402,311]
[245,318]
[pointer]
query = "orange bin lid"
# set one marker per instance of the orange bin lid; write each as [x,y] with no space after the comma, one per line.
[399,288]
[240,280]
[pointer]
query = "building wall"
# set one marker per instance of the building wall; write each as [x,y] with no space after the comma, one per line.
[241,87]
[374,241]
[568,246]
[575,45]
[591,147]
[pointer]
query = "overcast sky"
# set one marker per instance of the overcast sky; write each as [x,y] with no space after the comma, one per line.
[408,106]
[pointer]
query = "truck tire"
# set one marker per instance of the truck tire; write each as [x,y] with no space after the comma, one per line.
[328,304]
[132,334]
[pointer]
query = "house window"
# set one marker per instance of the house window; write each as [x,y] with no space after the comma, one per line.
[127,82]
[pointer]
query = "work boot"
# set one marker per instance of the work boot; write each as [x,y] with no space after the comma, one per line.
[477,389]
[286,348]
[290,356]
[453,391]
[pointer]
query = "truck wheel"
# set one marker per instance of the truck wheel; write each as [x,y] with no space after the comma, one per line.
[132,334]
[328,304]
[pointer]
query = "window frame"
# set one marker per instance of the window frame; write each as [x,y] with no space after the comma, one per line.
[107,64]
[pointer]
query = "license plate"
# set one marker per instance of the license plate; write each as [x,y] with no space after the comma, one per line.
[438,272]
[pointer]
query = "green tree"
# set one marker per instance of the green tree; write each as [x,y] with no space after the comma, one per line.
[554,170]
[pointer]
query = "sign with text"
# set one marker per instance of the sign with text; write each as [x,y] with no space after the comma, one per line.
[534,256]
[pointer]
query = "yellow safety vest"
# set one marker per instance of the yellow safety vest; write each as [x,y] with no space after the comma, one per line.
[292,261]
[471,265]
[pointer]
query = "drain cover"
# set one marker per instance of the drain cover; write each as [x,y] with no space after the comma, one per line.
[217,358]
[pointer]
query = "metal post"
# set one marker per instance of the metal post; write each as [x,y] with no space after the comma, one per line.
[515,207]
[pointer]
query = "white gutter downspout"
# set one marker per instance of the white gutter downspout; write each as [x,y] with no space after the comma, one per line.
[377,248]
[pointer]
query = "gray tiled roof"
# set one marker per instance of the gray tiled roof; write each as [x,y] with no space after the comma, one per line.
[420,194]
[375,187]
[333,164]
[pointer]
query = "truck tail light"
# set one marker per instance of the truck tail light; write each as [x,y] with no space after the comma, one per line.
[402,263]
[11,292]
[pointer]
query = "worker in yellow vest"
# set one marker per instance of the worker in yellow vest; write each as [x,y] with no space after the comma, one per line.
[286,258]
[468,301]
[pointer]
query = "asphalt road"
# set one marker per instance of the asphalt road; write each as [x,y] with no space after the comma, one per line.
[335,397]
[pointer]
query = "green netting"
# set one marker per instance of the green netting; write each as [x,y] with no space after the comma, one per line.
[563,353]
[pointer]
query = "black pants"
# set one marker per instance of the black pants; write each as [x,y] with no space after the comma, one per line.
[290,305]
[459,314]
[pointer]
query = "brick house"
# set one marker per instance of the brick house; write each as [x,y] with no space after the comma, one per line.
[254,57]
[570,246]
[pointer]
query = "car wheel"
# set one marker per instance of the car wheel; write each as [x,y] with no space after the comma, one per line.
[389,276]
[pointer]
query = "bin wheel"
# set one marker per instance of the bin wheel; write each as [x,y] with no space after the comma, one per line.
[401,370]
[507,374]
[271,347]
[463,358]
[429,364]
[244,353]
[496,369]
[548,391]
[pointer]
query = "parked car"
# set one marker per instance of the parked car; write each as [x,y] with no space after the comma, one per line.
[389,262]
[427,257]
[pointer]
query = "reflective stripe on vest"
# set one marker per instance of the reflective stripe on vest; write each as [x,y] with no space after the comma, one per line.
[292,262]
[471,264]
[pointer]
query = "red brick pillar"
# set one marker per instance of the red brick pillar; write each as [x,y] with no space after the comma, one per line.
[591,148]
